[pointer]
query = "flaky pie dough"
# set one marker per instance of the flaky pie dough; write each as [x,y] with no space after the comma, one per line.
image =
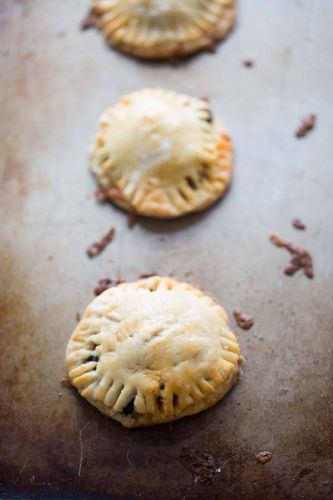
[153,351]
[160,29]
[162,154]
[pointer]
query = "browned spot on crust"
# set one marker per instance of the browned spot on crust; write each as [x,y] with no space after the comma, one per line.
[244,321]
[98,247]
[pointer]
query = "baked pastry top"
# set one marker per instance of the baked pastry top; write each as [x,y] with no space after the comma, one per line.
[153,351]
[159,29]
[162,154]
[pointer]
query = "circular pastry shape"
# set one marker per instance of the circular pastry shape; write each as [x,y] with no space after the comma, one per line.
[153,351]
[162,29]
[162,154]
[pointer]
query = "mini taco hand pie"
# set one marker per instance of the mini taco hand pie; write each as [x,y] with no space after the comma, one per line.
[153,351]
[162,154]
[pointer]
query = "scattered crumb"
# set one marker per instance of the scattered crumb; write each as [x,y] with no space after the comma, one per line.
[89,21]
[65,382]
[308,123]
[59,394]
[205,98]
[101,195]
[78,317]
[264,456]
[248,63]
[104,284]
[301,259]
[148,275]
[200,463]
[188,273]
[243,320]
[98,247]
[298,224]
[132,219]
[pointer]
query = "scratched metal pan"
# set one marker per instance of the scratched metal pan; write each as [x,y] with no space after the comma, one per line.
[55,81]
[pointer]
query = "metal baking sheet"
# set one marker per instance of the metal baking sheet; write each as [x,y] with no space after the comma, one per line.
[55,81]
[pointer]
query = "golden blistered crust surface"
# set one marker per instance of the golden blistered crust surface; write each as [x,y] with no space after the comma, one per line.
[160,29]
[153,351]
[162,153]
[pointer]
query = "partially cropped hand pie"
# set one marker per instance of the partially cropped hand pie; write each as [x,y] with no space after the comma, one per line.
[161,29]
[153,351]
[162,154]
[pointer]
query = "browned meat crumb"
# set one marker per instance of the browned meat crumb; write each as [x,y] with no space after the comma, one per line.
[264,456]
[104,284]
[248,63]
[308,123]
[243,320]
[298,224]
[132,219]
[89,21]
[301,259]
[98,247]
[148,275]
[200,463]
[101,195]
[78,317]
[65,382]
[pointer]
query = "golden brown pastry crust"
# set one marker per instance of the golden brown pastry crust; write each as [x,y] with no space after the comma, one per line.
[153,351]
[162,29]
[162,154]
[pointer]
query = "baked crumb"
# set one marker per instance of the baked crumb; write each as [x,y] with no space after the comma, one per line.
[308,123]
[200,463]
[65,382]
[248,63]
[132,219]
[97,248]
[104,284]
[264,456]
[89,21]
[298,224]
[301,258]
[244,321]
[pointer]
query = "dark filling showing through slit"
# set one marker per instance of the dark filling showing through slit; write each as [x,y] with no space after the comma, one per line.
[93,357]
[129,409]
[209,118]
[191,183]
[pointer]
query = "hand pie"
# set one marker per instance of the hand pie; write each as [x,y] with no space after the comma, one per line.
[153,351]
[162,154]
[161,29]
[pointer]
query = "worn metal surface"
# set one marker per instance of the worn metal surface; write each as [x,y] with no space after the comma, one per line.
[55,81]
